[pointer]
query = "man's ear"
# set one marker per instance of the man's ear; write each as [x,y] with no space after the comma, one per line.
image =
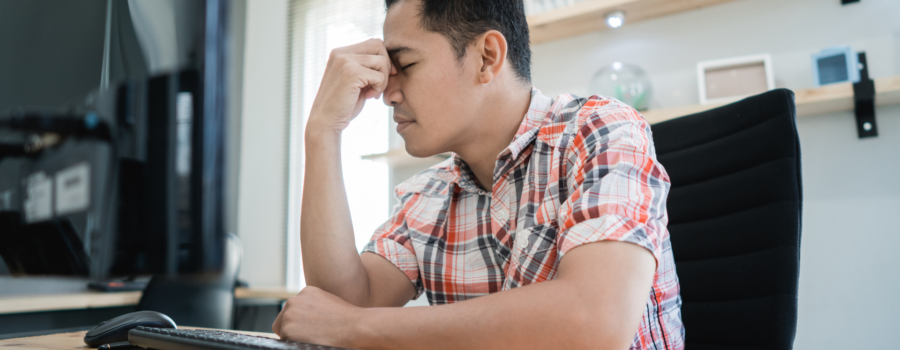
[491,46]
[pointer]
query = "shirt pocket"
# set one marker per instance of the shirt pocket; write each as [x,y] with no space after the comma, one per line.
[533,257]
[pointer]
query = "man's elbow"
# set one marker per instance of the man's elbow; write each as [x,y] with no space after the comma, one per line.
[593,330]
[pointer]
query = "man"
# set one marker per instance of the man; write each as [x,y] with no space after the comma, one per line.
[545,229]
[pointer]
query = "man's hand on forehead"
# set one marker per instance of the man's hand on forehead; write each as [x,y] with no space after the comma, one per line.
[353,74]
[370,54]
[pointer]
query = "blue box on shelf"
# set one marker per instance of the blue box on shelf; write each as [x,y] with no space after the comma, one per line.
[837,64]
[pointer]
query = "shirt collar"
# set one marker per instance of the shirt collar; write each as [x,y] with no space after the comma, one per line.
[535,118]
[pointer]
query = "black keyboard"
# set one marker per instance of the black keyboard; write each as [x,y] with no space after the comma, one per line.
[191,339]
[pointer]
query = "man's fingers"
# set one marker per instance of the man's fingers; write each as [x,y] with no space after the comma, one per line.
[373,47]
[374,62]
[353,73]
[371,78]
[370,54]
[377,45]
[381,64]
[368,47]
[276,326]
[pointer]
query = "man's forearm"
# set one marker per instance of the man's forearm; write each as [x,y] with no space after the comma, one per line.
[330,259]
[525,318]
[596,302]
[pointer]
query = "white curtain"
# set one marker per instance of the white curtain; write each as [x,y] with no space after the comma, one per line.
[317,27]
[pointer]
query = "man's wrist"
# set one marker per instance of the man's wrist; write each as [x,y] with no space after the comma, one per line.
[321,135]
[367,332]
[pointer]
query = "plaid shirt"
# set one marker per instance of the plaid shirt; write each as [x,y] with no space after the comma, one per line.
[579,170]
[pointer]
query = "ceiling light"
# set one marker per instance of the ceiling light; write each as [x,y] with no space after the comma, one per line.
[615,19]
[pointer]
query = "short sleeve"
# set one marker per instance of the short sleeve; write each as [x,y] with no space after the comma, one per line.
[618,188]
[392,242]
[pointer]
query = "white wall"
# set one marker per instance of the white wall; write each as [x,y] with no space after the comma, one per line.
[237,19]
[262,191]
[851,192]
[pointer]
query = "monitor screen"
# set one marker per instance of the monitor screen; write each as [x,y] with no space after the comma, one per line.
[110,144]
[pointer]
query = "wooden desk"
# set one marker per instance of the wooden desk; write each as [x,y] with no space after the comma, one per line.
[92,299]
[74,340]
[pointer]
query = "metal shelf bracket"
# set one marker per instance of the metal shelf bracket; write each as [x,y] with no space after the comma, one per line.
[864,101]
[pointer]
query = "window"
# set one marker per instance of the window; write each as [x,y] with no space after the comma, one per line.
[316,27]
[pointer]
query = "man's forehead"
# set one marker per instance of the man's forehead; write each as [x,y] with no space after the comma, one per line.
[404,34]
[400,42]
[401,26]
[398,49]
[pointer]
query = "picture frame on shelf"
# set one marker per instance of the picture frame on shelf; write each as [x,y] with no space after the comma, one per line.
[731,79]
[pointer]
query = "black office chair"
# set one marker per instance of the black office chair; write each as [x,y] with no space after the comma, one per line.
[199,301]
[734,219]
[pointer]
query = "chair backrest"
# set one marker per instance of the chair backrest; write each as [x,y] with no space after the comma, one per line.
[200,300]
[734,219]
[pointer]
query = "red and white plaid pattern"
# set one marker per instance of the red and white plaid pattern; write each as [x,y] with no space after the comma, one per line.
[579,170]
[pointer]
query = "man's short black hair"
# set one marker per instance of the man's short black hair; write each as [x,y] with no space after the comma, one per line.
[460,21]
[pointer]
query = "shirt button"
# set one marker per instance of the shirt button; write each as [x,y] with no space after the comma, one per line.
[503,215]
[523,242]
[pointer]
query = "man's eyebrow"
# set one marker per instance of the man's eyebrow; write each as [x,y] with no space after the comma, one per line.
[398,50]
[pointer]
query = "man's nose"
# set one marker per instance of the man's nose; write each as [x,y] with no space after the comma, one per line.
[392,93]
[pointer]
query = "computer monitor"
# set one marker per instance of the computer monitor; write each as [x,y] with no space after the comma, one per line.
[125,178]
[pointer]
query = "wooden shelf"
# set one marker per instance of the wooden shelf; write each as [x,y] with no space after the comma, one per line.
[68,301]
[825,99]
[590,16]
[92,299]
